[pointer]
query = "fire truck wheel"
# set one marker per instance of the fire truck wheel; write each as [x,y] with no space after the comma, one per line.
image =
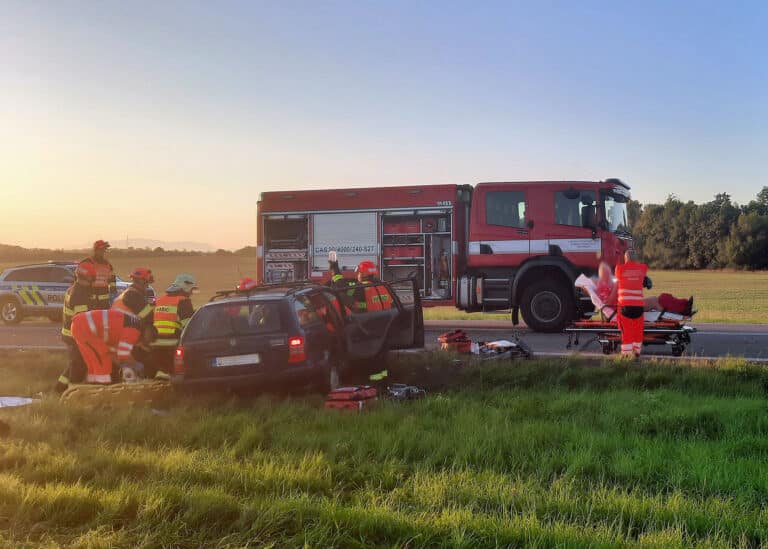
[547,305]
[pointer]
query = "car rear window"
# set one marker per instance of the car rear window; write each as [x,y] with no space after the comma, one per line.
[230,319]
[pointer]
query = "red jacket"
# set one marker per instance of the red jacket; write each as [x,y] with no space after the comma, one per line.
[630,277]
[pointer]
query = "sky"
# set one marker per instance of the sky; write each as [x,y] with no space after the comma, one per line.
[165,120]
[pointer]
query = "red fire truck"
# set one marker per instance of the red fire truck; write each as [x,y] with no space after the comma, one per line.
[494,246]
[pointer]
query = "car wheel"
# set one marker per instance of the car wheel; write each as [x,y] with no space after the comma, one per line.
[547,305]
[10,311]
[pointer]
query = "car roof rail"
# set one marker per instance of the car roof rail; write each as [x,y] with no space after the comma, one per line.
[289,287]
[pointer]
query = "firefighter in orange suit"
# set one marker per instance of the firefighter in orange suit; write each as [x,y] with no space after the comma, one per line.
[105,284]
[133,300]
[99,335]
[171,314]
[632,277]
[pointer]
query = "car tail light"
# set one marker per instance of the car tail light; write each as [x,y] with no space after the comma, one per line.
[178,361]
[296,349]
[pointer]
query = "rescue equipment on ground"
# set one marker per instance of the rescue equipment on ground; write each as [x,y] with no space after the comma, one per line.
[400,391]
[358,397]
[118,394]
[457,341]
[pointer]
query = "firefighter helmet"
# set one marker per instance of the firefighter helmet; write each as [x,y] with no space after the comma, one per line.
[367,268]
[183,283]
[99,244]
[142,273]
[86,269]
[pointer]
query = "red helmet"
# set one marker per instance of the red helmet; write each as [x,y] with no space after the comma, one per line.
[100,244]
[367,268]
[86,270]
[142,273]
[246,284]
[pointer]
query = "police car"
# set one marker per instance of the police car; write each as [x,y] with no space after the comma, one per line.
[38,290]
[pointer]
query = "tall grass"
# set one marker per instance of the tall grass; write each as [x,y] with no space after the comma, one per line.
[534,453]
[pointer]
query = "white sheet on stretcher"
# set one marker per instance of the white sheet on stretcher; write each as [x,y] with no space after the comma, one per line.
[588,285]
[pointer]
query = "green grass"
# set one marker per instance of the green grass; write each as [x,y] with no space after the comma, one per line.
[524,454]
[720,296]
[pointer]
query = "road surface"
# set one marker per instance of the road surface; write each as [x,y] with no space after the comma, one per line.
[711,340]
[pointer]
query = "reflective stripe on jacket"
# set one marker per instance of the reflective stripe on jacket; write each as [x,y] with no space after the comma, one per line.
[117,330]
[77,299]
[630,277]
[171,314]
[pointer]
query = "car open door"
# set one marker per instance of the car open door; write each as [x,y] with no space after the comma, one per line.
[365,331]
[407,332]
[398,324]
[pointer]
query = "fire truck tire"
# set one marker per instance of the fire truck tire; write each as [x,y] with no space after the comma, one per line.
[547,305]
[10,311]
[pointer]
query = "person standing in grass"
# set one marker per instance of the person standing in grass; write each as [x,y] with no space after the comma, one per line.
[78,299]
[172,312]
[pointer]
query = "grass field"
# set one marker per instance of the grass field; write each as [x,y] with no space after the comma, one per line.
[524,454]
[721,296]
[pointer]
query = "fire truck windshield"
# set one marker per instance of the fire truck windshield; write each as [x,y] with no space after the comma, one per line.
[615,212]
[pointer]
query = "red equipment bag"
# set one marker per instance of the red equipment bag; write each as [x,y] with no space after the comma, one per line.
[351,405]
[454,336]
[456,341]
[360,392]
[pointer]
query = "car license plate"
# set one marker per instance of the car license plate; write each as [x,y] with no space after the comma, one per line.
[237,360]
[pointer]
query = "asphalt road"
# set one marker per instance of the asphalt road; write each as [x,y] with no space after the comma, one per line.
[711,340]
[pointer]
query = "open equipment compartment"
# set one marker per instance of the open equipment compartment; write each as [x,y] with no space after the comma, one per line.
[286,248]
[417,244]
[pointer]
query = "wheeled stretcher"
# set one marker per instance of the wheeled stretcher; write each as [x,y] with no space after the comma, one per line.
[660,328]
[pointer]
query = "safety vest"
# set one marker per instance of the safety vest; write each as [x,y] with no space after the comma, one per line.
[140,312]
[630,279]
[167,321]
[76,300]
[104,283]
[118,331]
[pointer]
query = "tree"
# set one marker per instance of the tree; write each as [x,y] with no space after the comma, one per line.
[747,245]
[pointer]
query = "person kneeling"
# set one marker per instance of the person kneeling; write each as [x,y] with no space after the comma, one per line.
[102,334]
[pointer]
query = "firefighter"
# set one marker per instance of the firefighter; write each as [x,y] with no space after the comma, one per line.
[77,299]
[133,300]
[373,298]
[171,314]
[99,335]
[105,285]
[632,277]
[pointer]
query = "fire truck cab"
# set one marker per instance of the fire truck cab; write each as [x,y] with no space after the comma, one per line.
[515,246]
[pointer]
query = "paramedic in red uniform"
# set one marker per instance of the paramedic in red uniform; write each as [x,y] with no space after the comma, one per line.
[632,277]
[101,333]
[105,285]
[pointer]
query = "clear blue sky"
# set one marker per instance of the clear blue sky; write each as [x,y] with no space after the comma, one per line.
[205,104]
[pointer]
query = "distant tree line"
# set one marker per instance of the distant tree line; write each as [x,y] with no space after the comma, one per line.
[17,253]
[716,234]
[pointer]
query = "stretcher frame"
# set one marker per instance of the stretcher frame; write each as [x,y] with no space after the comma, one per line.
[674,333]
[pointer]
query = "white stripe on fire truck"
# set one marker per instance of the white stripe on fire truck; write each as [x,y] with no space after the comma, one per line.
[567,245]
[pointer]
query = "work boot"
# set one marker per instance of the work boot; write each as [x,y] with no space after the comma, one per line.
[162,376]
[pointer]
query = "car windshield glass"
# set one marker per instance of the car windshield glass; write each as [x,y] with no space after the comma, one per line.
[229,319]
[615,211]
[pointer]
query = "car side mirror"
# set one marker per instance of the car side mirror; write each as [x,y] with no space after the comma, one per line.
[529,224]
